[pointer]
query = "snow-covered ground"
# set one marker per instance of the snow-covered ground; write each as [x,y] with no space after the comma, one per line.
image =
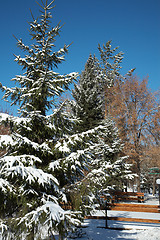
[94,229]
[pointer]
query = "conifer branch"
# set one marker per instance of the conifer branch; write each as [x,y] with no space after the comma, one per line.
[39,4]
[42,3]
[15,37]
[50,5]
[32,15]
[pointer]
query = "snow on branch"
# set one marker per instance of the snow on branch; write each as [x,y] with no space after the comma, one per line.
[78,137]
[38,147]
[5,186]
[8,118]
[6,140]
[3,227]
[32,175]
[55,216]
[21,160]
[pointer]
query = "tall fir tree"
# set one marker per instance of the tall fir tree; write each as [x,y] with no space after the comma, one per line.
[110,66]
[110,63]
[42,153]
[87,95]
[107,165]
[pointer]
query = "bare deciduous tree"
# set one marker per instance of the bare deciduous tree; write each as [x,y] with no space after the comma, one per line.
[136,112]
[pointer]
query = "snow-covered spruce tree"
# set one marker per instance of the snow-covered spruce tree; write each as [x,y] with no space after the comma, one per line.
[107,167]
[41,153]
[110,65]
[87,104]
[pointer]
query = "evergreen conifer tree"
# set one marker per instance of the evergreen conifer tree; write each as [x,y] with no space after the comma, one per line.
[42,153]
[87,95]
[107,167]
[110,63]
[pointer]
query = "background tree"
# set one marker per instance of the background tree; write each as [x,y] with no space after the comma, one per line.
[90,92]
[110,65]
[135,111]
[88,104]
[107,165]
[110,168]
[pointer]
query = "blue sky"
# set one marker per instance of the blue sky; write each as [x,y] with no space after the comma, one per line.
[133,25]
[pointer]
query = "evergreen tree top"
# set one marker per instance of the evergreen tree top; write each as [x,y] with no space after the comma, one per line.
[39,85]
[88,95]
[110,62]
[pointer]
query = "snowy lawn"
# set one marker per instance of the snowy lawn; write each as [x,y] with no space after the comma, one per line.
[94,229]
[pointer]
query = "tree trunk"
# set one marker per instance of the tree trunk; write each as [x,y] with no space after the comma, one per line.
[138,184]
[139,175]
[154,185]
